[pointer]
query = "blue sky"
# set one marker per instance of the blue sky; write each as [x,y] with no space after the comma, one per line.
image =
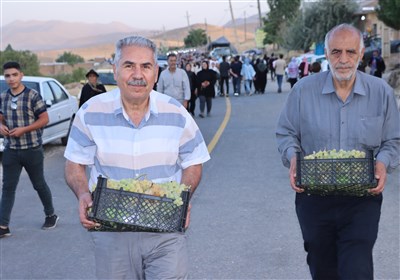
[139,14]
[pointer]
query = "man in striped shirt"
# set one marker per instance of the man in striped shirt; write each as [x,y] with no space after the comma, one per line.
[124,133]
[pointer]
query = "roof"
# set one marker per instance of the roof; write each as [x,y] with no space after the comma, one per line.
[220,42]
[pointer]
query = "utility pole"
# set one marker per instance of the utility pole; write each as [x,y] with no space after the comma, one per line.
[259,13]
[187,18]
[234,24]
[245,27]
[205,27]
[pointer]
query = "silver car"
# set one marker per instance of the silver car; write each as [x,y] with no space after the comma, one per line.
[61,107]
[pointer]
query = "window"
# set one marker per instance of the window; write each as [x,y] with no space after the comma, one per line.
[59,94]
[47,93]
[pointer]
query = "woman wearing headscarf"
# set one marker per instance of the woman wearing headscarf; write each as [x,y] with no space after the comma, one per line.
[293,72]
[304,68]
[91,88]
[260,82]
[205,87]
[248,74]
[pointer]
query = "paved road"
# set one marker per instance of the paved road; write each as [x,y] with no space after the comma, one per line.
[243,219]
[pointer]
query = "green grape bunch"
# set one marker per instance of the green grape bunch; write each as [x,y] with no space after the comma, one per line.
[171,189]
[334,154]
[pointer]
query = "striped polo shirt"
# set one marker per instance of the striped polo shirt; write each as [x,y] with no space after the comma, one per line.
[29,105]
[165,142]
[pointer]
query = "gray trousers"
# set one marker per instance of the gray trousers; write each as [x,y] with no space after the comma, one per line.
[140,255]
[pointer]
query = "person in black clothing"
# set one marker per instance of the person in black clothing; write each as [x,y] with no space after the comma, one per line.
[236,68]
[91,88]
[376,64]
[224,67]
[193,93]
[260,82]
[271,66]
[206,79]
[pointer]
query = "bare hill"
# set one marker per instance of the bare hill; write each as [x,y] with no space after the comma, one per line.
[50,39]
[49,35]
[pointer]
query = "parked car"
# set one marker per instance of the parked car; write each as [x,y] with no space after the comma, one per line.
[322,60]
[252,52]
[395,46]
[61,107]
[162,61]
[106,77]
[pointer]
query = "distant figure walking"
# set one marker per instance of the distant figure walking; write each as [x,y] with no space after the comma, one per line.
[224,68]
[376,64]
[193,90]
[279,66]
[174,81]
[206,79]
[91,88]
[304,68]
[248,73]
[293,72]
[260,82]
[236,68]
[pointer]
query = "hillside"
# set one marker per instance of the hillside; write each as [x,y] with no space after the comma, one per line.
[50,39]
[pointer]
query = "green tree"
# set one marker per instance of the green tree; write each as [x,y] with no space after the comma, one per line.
[196,37]
[28,60]
[317,19]
[70,58]
[76,76]
[389,12]
[282,12]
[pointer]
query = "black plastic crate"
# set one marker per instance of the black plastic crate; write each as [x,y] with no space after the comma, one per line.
[119,210]
[347,177]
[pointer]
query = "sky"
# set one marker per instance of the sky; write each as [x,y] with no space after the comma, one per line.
[151,15]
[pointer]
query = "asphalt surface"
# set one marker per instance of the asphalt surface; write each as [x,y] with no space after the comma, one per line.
[243,223]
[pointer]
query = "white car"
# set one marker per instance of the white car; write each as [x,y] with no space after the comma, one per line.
[61,107]
[322,60]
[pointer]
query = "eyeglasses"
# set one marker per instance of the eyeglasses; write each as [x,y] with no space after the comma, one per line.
[14,103]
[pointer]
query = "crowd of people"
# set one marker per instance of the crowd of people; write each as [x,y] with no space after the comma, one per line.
[156,135]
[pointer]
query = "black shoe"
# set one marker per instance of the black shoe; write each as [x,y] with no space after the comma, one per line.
[50,222]
[4,232]
[201,115]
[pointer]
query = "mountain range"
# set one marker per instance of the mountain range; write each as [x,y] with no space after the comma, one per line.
[49,39]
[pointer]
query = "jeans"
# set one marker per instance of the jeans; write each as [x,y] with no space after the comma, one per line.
[247,86]
[279,79]
[236,84]
[203,101]
[13,162]
[226,80]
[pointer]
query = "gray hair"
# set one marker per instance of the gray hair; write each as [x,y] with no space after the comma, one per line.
[343,26]
[137,41]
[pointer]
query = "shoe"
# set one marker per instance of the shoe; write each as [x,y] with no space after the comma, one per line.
[4,232]
[201,115]
[236,94]
[226,95]
[50,222]
[208,114]
[250,94]
[222,94]
[279,91]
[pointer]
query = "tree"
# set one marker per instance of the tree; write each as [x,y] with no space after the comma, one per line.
[317,19]
[281,13]
[388,11]
[70,58]
[196,37]
[28,61]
